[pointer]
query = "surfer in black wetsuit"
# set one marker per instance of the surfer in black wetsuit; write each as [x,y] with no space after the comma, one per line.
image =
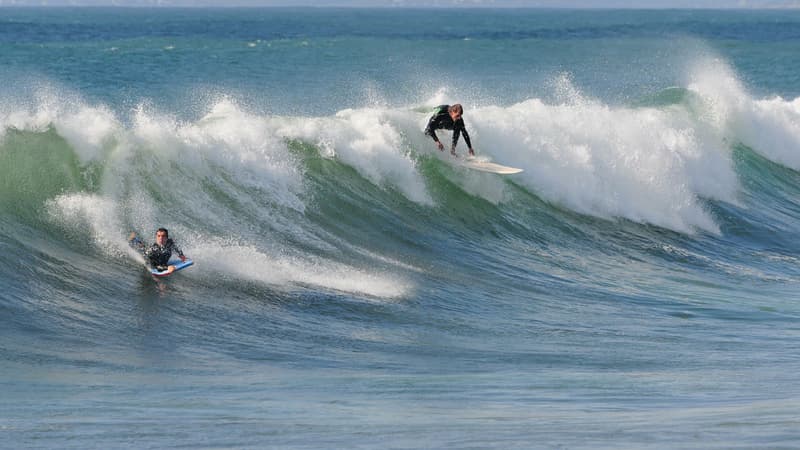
[158,254]
[449,118]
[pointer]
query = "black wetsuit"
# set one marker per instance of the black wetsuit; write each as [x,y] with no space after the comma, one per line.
[441,119]
[158,256]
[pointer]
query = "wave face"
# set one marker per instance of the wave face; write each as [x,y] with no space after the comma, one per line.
[642,270]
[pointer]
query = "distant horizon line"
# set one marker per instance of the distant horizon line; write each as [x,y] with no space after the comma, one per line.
[450,7]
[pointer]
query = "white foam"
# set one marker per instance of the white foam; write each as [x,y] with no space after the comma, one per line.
[88,129]
[95,215]
[228,151]
[365,140]
[770,126]
[246,262]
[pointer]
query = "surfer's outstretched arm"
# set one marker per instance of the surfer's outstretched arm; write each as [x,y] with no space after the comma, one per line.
[429,131]
[137,244]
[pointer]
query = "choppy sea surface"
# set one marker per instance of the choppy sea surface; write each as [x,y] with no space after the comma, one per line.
[635,287]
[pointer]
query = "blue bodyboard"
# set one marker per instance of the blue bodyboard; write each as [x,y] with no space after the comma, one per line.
[179,265]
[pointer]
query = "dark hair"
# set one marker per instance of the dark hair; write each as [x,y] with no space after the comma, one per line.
[456,108]
[166,232]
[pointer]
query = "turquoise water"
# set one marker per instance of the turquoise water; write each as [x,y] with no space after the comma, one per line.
[635,287]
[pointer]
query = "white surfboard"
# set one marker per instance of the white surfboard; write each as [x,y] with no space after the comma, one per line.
[485,166]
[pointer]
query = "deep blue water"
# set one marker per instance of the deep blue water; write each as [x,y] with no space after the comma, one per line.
[635,287]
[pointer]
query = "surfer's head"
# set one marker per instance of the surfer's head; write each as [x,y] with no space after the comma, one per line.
[456,111]
[161,236]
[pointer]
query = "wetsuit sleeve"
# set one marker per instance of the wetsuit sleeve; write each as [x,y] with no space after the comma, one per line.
[457,130]
[436,121]
[466,135]
[138,245]
[430,129]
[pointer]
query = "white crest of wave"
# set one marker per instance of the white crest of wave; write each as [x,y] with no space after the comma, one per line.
[772,128]
[366,140]
[228,139]
[643,164]
[769,126]
[248,263]
[87,129]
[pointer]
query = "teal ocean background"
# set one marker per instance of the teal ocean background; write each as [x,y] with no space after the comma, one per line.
[637,286]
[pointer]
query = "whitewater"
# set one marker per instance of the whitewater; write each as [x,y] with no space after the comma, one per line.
[635,287]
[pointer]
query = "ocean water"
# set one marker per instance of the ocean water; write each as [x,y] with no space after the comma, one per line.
[635,287]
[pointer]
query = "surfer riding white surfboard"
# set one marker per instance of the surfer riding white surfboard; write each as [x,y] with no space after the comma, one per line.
[449,117]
